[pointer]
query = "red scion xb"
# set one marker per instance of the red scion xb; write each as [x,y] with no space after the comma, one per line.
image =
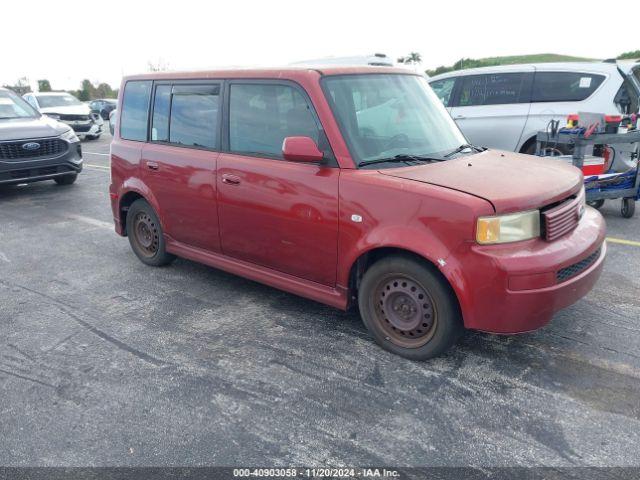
[351,186]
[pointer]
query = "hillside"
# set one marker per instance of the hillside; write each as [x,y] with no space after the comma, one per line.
[509,60]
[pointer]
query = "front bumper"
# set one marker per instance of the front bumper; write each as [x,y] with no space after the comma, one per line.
[83,131]
[516,288]
[38,169]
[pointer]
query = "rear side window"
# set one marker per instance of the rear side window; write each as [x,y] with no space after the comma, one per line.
[262,116]
[564,86]
[135,110]
[493,89]
[443,89]
[186,115]
[194,115]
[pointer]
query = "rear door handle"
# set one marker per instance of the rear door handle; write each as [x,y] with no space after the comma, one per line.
[230,179]
[152,165]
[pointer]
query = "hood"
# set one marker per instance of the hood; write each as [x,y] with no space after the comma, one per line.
[68,110]
[26,128]
[510,181]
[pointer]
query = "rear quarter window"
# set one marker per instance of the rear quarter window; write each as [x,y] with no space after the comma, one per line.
[135,110]
[564,86]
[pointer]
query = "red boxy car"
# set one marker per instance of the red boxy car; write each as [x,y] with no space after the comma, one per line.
[351,186]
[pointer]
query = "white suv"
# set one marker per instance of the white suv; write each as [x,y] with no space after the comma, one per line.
[504,107]
[68,109]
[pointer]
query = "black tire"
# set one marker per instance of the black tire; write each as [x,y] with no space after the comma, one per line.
[596,203]
[409,308]
[145,235]
[66,179]
[628,207]
[531,149]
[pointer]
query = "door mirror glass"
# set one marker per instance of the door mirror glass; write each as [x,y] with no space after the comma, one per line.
[301,149]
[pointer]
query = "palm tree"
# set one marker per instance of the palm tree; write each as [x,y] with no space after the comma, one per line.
[413,58]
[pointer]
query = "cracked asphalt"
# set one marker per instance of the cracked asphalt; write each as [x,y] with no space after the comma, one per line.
[107,362]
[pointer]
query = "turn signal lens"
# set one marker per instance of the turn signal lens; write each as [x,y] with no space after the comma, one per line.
[508,228]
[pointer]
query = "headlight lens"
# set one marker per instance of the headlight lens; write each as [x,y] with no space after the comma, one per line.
[508,228]
[70,136]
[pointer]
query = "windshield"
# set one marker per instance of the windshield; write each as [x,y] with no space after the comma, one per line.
[48,101]
[384,115]
[12,106]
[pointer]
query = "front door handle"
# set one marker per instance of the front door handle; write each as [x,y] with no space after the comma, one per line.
[230,179]
[152,165]
[459,117]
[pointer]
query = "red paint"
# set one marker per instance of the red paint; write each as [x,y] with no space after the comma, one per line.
[289,223]
[301,149]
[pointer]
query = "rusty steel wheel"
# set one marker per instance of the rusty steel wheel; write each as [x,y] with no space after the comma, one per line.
[409,307]
[405,310]
[145,234]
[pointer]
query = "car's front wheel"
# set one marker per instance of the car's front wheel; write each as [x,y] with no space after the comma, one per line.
[66,179]
[409,308]
[145,235]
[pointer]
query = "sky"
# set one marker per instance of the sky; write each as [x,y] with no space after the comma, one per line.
[68,41]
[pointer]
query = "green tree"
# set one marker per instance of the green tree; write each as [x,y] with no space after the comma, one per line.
[412,59]
[629,55]
[44,85]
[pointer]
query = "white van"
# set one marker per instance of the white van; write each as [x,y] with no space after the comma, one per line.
[504,107]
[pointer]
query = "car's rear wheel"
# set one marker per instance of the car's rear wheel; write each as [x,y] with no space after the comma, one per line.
[145,235]
[409,308]
[66,179]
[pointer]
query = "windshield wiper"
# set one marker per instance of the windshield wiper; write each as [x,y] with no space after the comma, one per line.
[465,146]
[403,157]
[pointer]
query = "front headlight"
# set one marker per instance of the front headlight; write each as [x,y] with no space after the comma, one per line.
[70,136]
[508,228]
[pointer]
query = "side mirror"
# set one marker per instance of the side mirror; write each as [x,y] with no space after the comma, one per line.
[301,149]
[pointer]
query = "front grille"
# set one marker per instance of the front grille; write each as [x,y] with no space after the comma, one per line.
[81,128]
[577,268]
[563,218]
[75,118]
[48,147]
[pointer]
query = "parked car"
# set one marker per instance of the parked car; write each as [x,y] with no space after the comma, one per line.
[103,106]
[68,109]
[351,186]
[34,147]
[505,106]
[113,116]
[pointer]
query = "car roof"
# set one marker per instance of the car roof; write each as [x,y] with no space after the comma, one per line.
[596,67]
[288,72]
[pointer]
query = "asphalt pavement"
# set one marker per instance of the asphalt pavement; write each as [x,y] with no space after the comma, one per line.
[104,361]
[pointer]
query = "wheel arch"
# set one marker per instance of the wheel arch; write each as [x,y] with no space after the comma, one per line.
[132,191]
[368,258]
[527,143]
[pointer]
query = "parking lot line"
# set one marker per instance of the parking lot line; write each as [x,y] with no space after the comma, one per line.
[622,241]
[91,221]
[102,167]
[96,153]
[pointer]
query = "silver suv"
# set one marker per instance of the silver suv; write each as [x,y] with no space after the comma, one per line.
[505,106]
[34,147]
